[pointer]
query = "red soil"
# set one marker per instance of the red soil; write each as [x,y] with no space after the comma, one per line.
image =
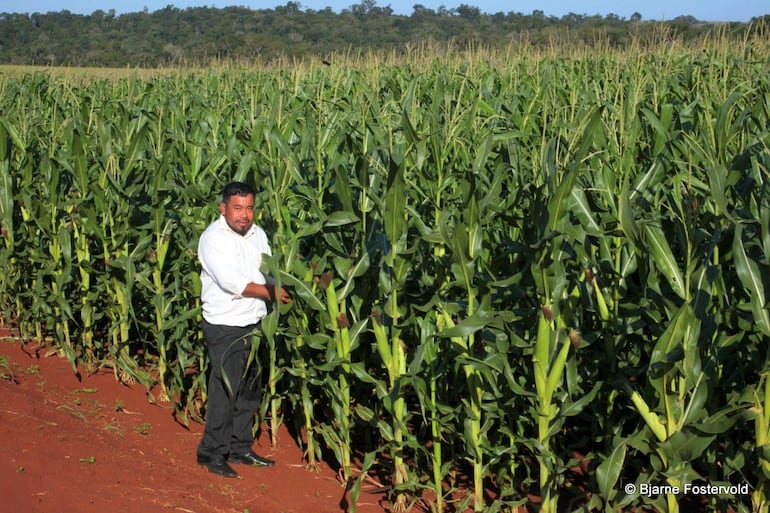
[94,445]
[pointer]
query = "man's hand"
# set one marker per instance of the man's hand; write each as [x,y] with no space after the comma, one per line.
[282,295]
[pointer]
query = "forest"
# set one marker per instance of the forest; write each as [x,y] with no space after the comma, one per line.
[200,36]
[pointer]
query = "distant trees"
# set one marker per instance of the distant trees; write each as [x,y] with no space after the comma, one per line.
[173,36]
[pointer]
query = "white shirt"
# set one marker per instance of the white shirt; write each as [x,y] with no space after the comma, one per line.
[229,262]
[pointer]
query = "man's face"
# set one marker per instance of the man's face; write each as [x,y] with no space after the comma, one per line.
[239,212]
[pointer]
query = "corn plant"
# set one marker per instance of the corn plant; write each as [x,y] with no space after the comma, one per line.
[6,218]
[298,333]
[9,138]
[390,344]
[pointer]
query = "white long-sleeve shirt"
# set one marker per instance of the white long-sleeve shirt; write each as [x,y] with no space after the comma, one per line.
[229,262]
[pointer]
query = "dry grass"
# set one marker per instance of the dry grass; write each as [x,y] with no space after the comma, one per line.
[86,74]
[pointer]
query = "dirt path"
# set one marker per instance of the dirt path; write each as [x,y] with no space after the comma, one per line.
[96,446]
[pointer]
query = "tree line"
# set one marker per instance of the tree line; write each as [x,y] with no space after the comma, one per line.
[200,35]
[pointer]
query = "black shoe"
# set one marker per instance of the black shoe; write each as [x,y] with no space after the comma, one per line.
[250,458]
[218,467]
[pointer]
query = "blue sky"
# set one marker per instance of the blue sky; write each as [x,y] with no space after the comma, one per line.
[706,10]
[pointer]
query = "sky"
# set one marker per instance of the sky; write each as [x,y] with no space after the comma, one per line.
[704,10]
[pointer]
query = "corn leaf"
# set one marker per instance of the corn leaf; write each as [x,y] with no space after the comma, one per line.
[751,278]
[664,259]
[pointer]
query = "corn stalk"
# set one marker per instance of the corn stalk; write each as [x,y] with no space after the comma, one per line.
[11,148]
[302,368]
[338,324]
[387,326]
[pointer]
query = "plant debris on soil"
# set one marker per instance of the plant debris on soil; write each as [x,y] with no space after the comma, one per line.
[91,445]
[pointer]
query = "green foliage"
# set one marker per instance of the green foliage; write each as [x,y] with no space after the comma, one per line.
[504,266]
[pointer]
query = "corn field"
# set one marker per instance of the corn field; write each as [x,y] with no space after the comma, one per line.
[505,265]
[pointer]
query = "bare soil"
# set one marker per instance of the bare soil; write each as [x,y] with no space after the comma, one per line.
[93,445]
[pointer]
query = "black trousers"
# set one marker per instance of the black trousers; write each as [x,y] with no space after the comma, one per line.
[234,392]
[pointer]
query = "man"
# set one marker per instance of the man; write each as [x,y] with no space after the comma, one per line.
[234,299]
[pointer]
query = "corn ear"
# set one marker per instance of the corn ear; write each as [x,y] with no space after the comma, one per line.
[650,417]
[542,344]
[381,339]
[557,368]
[601,303]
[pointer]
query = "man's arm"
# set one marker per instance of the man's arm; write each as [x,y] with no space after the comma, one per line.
[266,293]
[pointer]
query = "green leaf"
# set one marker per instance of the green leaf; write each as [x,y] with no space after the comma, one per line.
[660,125]
[469,325]
[574,407]
[301,289]
[608,471]
[341,218]
[558,202]
[668,348]
[686,445]
[626,216]
[722,421]
[395,206]
[751,278]
[664,259]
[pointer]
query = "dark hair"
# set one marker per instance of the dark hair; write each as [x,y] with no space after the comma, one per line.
[237,189]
